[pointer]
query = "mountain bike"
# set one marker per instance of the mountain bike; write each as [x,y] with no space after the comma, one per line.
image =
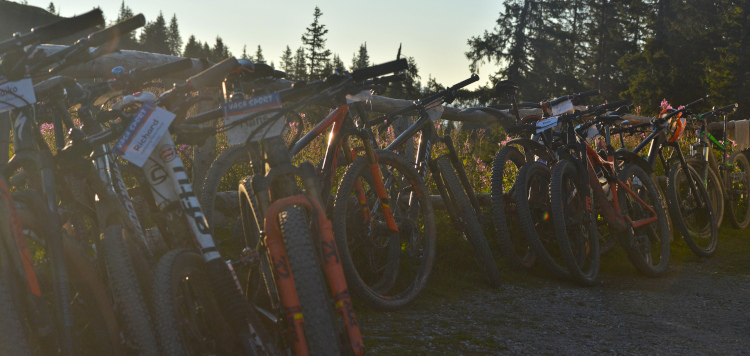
[448,173]
[727,181]
[690,205]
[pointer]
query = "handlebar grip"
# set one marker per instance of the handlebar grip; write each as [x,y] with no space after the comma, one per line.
[588,93]
[205,116]
[691,104]
[58,29]
[151,73]
[116,30]
[614,105]
[380,69]
[729,108]
[474,78]
[213,74]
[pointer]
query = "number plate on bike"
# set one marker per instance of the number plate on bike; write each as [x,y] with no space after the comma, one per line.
[435,111]
[242,119]
[545,124]
[16,94]
[143,134]
[562,108]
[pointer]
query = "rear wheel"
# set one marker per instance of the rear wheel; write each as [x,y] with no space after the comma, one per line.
[692,214]
[513,245]
[737,185]
[387,269]
[575,222]
[647,246]
[468,221]
[535,215]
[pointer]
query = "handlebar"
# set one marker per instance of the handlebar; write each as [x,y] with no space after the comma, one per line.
[115,31]
[380,70]
[151,73]
[58,29]
[664,119]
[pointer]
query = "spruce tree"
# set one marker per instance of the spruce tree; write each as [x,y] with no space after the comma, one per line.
[314,40]
[51,9]
[259,56]
[155,36]
[337,63]
[219,51]
[193,48]
[287,61]
[361,59]
[300,65]
[128,40]
[175,40]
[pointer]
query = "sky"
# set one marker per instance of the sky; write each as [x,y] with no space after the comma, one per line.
[434,32]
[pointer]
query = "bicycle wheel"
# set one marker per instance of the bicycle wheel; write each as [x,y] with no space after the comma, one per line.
[693,215]
[534,213]
[647,246]
[468,221]
[187,318]
[320,325]
[713,186]
[513,245]
[224,175]
[388,270]
[132,311]
[737,186]
[575,222]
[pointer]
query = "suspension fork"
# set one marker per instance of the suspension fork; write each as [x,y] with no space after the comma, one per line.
[332,266]
[689,177]
[376,174]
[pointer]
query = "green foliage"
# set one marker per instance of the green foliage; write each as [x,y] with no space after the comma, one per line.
[314,41]
[259,56]
[155,36]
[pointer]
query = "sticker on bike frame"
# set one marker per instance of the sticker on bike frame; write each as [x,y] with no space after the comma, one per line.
[562,108]
[16,94]
[435,111]
[235,111]
[143,134]
[546,124]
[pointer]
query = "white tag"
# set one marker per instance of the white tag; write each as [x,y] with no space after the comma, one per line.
[143,134]
[365,95]
[562,108]
[545,124]
[435,111]
[235,111]
[592,133]
[16,94]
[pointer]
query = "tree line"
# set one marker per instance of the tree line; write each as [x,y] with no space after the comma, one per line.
[640,50]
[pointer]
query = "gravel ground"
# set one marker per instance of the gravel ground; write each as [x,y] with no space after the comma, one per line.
[695,310]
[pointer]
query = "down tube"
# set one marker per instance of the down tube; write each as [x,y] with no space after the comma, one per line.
[176,185]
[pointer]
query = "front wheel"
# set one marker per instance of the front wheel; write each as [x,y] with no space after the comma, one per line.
[468,220]
[513,245]
[647,246]
[575,222]
[713,186]
[387,269]
[692,213]
[737,185]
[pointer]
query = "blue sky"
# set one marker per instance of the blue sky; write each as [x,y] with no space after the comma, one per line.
[433,32]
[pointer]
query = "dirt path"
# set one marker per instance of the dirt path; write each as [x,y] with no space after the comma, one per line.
[694,310]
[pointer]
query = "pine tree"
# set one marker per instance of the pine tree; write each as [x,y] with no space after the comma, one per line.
[51,9]
[287,61]
[337,63]
[128,40]
[193,48]
[300,65]
[259,56]
[206,51]
[361,59]
[219,51]
[175,40]
[244,53]
[155,36]
[313,39]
